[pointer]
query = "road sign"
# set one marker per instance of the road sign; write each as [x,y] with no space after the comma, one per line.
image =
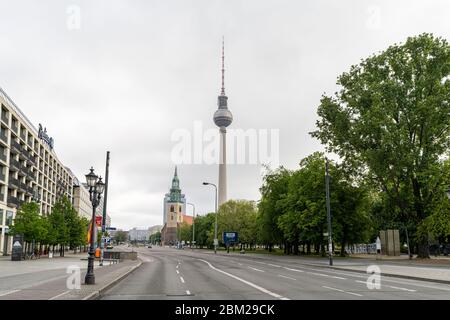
[216,242]
[325,234]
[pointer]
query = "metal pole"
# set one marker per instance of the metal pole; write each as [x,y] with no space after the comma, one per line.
[193,223]
[330,238]
[215,227]
[90,277]
[102,245]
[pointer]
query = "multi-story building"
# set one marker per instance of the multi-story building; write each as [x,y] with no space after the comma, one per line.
[139,235]
[29,168]
[81,200]
[83,205]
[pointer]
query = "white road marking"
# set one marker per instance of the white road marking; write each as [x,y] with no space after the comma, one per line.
[177,267]
[392,287]
[404,289]
[274,265]
[182,280]
[256,269]
[296,270]
[188,292]
[273,294]
[59,295]
[178,272]
[327,275]
[335,289]
[280,275]
[8,292]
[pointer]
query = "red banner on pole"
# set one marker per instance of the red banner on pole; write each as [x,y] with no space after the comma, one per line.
[98,221]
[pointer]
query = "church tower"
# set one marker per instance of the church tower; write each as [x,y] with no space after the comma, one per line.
[174,212]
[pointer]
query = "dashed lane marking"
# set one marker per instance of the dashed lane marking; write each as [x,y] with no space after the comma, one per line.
[182,280]
[259,270]
[280,275]
[8,292]
[343,291]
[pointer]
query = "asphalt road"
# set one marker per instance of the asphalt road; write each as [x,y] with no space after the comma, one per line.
[168,273]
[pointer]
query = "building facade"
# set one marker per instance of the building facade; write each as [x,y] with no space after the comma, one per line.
[29,168]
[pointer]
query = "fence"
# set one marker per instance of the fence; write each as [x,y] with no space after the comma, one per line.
[370,248]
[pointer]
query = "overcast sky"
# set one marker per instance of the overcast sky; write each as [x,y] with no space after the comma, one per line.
[124,75]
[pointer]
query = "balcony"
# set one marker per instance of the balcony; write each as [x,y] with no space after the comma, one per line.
[13,202]
[5,118]
[13,182]
[14,163]
[3,137]
[2,156]
[14,127]
[16,146]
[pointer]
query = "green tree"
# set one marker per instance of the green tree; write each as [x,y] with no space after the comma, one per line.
[29,223]
[204,230]
[239,216]
[120,236]
[274,188]
[185,232]
[390,121]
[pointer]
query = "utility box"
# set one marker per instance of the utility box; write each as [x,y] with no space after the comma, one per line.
[17,248]
[390,242]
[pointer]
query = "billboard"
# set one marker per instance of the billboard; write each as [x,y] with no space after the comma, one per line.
[230,237]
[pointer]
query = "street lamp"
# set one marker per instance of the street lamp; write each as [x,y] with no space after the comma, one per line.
[216,241]
[96,187]
[193,223]
[327,191]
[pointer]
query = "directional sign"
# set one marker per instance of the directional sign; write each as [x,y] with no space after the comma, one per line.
[230,237]
[216,242]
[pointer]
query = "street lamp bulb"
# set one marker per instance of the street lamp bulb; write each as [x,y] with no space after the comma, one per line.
[100,186]
[91,178]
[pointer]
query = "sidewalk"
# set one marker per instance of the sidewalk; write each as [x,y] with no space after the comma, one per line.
[45,279]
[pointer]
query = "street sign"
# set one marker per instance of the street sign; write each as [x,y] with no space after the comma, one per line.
[216,242]
[325,234]
[230,237]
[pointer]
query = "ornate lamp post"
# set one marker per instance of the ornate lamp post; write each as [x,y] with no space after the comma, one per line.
[216,241]
[96,187]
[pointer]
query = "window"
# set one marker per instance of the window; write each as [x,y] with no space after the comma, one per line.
[1,216]
[179,209]
[171,217]
[9,218]
[172,209]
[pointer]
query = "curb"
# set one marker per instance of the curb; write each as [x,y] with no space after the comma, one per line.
[96,294]
[390,275]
